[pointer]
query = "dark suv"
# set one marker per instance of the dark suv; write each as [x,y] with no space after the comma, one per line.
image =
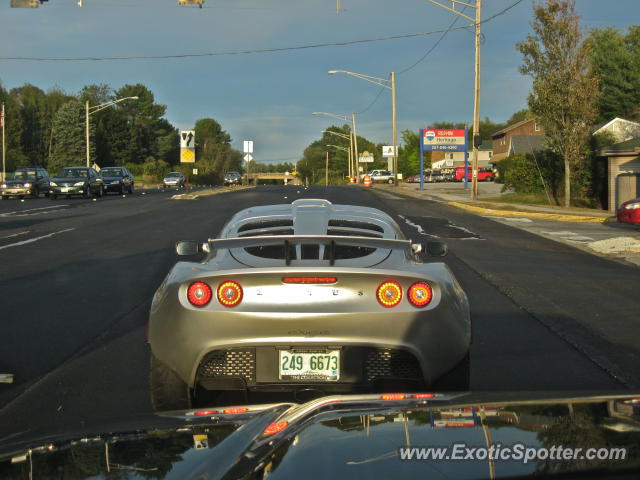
[232,178]
[26,181]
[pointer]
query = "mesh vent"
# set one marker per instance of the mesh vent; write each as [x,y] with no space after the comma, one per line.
[391,364]
[284,222]
[355,224]
[347,233]
[229,363]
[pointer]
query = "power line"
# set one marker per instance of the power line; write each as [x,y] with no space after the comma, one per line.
[222,53]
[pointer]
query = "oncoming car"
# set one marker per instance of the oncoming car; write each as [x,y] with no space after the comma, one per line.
[173,179]
[307,295]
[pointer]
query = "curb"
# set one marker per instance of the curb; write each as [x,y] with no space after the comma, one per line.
[544,216]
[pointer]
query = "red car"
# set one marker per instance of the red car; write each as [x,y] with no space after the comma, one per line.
[484,174]
[629,212]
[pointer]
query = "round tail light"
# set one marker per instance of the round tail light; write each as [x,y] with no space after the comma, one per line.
[389,294]
[420,294]
[199,294]
[229,293]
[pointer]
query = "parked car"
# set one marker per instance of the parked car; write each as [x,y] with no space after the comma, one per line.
[173,179]
[380,176]
[413,179]
[117,179]
[484,174]
[629,212]
[26,181]
[77,181]
[354,308]
[232,178]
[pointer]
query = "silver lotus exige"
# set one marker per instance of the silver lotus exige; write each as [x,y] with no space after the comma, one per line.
[307,295]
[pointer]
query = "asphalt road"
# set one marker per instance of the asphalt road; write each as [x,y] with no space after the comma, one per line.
[77,279]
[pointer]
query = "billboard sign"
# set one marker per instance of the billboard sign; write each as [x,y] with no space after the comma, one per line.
[446,140]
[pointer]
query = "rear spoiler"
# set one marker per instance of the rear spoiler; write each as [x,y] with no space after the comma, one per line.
[192,248]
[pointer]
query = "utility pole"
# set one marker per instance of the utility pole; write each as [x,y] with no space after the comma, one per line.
[86,123]
[476,99]
[355,147]
[326,171]
[4,147]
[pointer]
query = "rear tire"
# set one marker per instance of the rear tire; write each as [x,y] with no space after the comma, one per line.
[456,379]
[168,391]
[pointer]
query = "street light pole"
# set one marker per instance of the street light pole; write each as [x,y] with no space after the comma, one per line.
[90,111]
[350,152]
[391,85]
[355,146]
[476,98]
[353,139]
[395,139]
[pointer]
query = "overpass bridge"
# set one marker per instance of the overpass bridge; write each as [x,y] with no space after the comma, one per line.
[286,179]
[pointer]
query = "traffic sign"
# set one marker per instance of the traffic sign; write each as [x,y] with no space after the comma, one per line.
[248,157]
[187,139]
[247,146]
[187,155]
[388,151]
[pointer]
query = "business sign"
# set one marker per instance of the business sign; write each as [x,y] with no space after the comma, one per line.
[388,151]
[366,157]
[444,140]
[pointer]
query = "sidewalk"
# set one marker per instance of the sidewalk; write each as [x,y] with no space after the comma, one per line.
[456,195]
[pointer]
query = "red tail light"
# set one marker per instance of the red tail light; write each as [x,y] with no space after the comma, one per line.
[389,294]
[235,410]
[393,396]
[420,396]
[206,412]
[229,293]
[275,427]
[199,294]
[306,280]
[420,294]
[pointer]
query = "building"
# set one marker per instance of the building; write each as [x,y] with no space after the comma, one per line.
[440,160]
[621,129]
[523,137]
[623,166]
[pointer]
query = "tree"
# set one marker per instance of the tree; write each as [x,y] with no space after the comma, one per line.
[69,144]
[616,62]
[565,91]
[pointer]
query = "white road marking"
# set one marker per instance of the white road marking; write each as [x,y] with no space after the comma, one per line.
[16,234]
[417,227]
[38,211]
[578,238]
[562,233]
[32,240]
[515,219]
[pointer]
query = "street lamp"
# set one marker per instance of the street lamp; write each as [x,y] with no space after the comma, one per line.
[354,144]
[476,89]
[96,108]
[391,85]
[344,149]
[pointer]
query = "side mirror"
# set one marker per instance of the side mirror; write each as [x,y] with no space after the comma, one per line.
[437,249]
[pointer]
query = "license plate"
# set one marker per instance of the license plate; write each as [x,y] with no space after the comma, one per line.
[64,189]
[318,365]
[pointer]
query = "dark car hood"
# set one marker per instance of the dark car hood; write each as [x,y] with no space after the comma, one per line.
[69,179]
[340,437]
[112,178]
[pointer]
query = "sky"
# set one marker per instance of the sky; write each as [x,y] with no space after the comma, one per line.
[269,97]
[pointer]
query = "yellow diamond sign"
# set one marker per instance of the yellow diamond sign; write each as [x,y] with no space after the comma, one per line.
[187,155]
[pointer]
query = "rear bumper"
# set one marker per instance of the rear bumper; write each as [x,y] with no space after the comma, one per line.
[436,340]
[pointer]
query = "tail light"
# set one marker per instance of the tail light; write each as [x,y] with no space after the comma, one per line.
[201,413]
[235,410]
[199,294]
[275,427]
[229,293]
[309,280]
[393,396]
[421,396]
[420,294]
[389,294]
